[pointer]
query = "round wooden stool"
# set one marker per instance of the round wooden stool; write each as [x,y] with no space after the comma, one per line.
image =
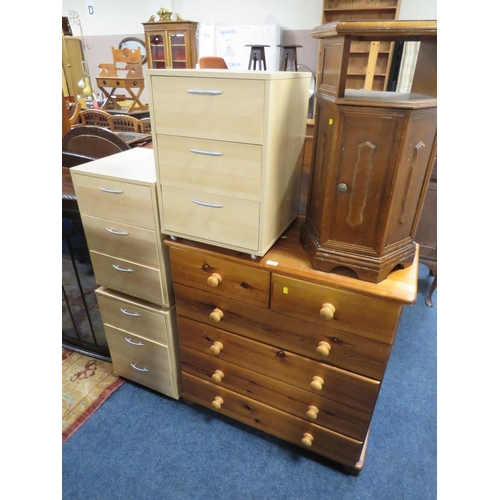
[289,57]
[257,55]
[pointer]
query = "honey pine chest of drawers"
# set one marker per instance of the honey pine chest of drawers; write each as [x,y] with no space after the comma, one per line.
[118,204]
[290,350]
[228,150]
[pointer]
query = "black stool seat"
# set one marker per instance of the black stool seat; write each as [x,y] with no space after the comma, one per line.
[289,57]
[257,55]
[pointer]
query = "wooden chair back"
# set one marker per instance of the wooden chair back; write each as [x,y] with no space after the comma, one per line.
[145,125]
[123,123]
[95,117]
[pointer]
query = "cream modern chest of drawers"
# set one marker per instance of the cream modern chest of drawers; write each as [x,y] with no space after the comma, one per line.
[292,351]
[117,199]
[228,151]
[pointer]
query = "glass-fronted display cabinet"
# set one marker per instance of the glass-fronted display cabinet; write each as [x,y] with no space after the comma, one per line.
[170,44]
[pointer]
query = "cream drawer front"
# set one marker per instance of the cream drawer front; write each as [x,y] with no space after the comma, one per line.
[115,200]
[210,108]
[213,218]
[140,360]
[218,167]
[372,318]
[121,240]
[135,317]
[127,277]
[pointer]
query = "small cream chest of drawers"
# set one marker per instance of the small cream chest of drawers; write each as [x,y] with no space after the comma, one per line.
[117,199]
[292,351]
[228,150]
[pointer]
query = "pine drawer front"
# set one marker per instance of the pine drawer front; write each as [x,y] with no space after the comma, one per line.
[220,277]
[128,277]
[312,407]
[366,316]
[212,167]
[332,445]
[122,240]
[137,317]
[342,349]
[209,108]
[309,375]
[212,218]
[115,200]
[140,360]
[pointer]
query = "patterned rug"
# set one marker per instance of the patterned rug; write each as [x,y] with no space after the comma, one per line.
[86,384]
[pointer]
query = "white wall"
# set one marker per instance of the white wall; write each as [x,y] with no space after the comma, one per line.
[126,16]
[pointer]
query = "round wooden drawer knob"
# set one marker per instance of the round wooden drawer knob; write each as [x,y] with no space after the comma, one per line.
[323,349]
[216,348]
[217,402]
[307,439]
[312,412]
[327,311]
[216,315]
[317,383]
[214,280]
[217,376]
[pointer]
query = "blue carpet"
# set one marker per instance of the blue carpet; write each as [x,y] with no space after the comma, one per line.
[141,445]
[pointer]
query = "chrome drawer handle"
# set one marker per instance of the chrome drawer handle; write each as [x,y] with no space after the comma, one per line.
[204,92]
[119,233]
[211,205]
[112,191]
[138,369]
[201,152]
[118,268]
[124,311]
[133,343]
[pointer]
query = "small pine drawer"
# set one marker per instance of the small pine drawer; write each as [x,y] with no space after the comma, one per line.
[220,277]
[339,309]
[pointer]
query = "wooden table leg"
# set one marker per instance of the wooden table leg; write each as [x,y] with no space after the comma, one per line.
[428,299]
[108,101]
